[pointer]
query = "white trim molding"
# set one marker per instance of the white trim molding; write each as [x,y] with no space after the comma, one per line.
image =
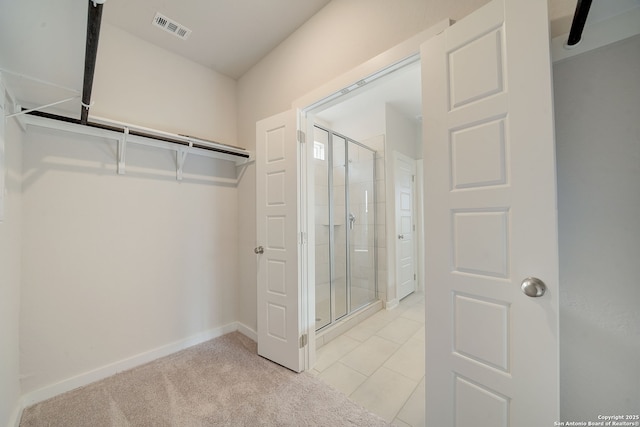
[14,421]
[391,304]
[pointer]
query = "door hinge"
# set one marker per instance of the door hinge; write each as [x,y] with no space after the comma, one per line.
[302,238]
[413,178]
[414,276]
[304,339]
[302,137]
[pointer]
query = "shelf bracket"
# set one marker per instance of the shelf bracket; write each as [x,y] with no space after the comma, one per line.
[20,119]
[122,151]
[20,112]
[181,156]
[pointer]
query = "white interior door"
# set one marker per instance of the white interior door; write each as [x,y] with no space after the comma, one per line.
[406,275]
[279,288]
[490,220]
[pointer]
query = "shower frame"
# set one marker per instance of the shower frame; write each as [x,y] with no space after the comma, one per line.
[334,318]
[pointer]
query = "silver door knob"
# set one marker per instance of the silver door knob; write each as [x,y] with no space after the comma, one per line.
[259,250]
[533,287]
[400,236]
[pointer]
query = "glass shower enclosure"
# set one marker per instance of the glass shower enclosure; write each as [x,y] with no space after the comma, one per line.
[345,219]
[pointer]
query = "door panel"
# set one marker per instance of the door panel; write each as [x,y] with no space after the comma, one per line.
[479,406]
[277,232]
[490,220]
[405,171]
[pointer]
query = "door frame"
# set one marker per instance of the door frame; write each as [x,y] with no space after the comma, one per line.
[331,93]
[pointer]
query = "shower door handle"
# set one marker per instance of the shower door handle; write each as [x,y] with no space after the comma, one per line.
[352,220]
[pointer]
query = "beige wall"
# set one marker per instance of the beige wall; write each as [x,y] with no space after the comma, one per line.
[344,34]
[10,272]
[137,82]
[116,267]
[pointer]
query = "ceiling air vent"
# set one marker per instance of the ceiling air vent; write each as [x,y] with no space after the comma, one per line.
[171,26]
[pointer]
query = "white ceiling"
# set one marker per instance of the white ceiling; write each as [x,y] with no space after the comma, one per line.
[45,39]
[400,89]
[42,42]
[229,36]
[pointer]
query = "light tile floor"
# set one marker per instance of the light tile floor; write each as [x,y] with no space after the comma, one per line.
[379,363]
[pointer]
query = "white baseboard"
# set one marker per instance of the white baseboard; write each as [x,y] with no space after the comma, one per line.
[247,331]
[14,421]
[390,305]
[86,378]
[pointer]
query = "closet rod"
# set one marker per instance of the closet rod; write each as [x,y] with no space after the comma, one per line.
[579,19]
[94,19]
[188,142]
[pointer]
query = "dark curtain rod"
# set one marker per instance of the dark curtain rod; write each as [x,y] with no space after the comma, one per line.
[579,19]
[135,133]
[94,20]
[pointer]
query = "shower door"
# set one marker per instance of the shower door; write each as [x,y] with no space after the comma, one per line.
[344,226]
[361,219]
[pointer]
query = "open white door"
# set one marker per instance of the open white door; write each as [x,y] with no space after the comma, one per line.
[406,273]
[490,220]
[279,305]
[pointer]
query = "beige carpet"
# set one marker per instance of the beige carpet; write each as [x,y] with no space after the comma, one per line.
[222,382]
